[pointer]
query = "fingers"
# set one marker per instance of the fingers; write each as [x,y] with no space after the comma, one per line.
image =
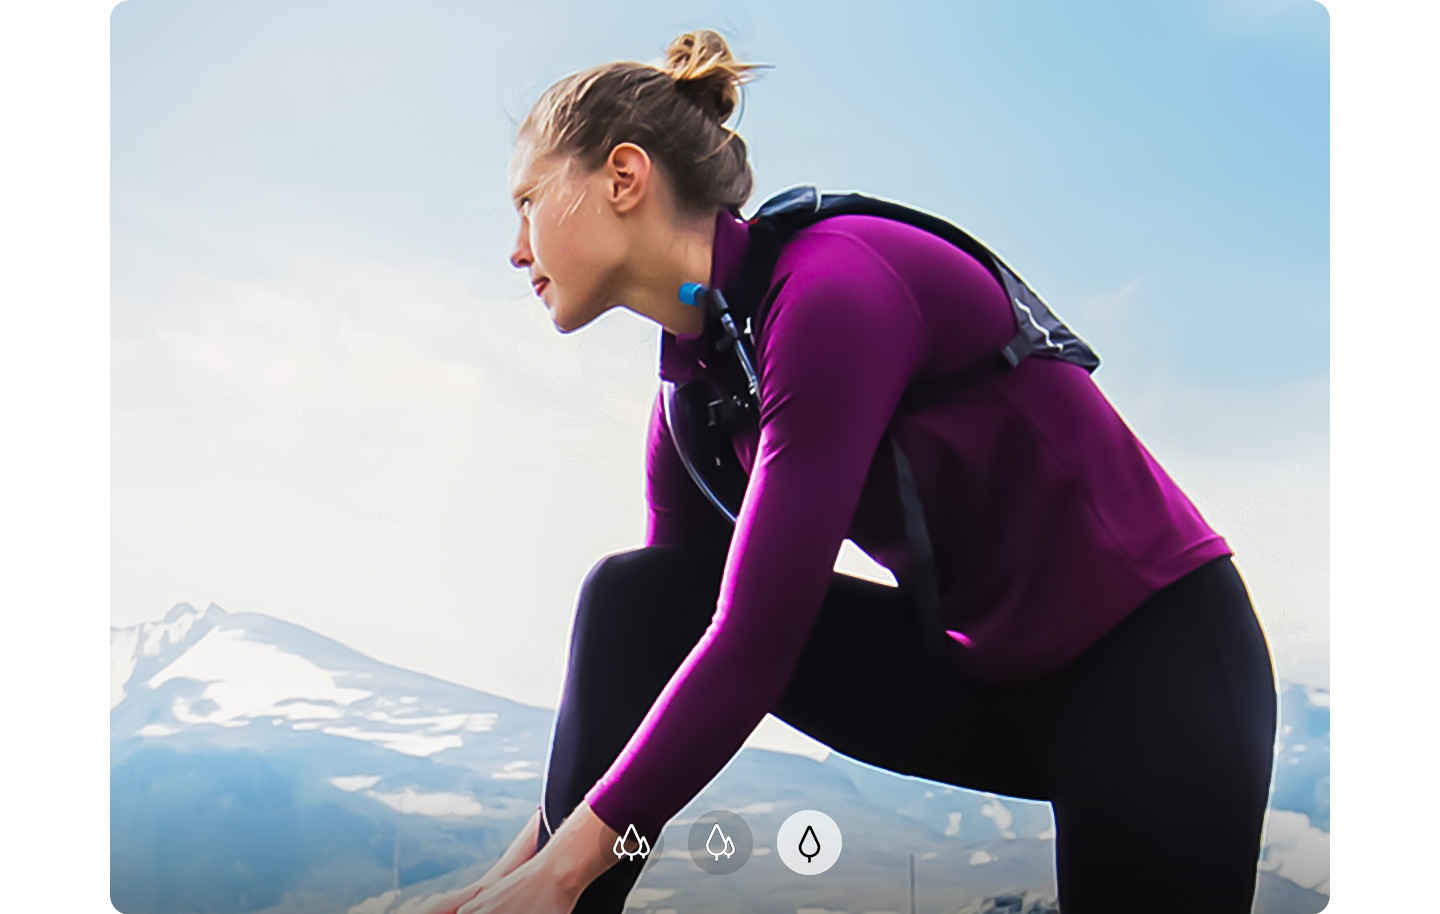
[452,902]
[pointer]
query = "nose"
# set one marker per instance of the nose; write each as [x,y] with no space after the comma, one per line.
[521,257]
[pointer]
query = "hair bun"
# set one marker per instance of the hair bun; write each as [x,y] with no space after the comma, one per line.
[707,73]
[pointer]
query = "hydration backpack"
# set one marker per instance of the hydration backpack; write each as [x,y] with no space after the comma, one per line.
[701,425]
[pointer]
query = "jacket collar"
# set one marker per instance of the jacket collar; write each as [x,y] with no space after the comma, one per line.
[680,354]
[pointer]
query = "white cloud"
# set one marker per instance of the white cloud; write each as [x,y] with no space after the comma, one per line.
[354,435]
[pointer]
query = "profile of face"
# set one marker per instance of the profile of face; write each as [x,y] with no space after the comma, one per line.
[570,238]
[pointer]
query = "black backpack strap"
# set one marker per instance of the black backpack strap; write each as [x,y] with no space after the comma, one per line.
[703,446]
[920,574]
[1040,330]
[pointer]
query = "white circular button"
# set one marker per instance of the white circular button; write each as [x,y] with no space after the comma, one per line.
[808,842]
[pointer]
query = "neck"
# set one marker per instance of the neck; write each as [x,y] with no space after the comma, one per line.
[674,255]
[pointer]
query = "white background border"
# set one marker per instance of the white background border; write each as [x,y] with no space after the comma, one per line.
[54,444]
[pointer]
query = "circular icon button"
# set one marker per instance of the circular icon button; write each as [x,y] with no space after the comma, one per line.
[808,842]
[720,842]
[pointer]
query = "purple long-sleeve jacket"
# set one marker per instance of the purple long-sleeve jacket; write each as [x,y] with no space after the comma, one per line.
[1050,521]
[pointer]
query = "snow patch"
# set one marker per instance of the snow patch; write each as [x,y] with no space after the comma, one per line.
[122,662]
[172,630]
[414,802]
[642,897]
[515,771]
[353,782]
[377,905]
[754,809]
[247,680]
[1003,817]
[417,744]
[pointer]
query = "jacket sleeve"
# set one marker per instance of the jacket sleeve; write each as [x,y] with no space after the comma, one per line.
[840,344]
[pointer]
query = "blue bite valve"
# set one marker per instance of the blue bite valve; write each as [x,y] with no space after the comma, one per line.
[690,293]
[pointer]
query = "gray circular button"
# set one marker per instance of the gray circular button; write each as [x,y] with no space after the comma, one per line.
[808,842]
[720,842]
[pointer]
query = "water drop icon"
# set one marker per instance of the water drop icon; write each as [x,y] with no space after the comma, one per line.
[624,843]
[809,844]
[719,844]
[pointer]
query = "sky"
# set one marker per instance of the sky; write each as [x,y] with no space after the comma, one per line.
[333,401]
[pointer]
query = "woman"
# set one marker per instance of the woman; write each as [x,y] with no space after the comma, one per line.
[1107,657]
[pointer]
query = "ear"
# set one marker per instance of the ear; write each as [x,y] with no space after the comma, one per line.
[628,173]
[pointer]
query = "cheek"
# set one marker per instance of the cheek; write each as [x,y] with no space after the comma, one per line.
[577,249]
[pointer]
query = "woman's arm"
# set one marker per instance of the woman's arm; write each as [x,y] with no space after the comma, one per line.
[580,850]
[839,348]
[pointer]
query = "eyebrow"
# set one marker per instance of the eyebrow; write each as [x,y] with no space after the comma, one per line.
[523,190]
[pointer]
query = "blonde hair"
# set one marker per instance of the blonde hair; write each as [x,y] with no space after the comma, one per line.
[675,112]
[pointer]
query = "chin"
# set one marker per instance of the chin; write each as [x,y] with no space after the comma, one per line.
[567,321]
[566,324]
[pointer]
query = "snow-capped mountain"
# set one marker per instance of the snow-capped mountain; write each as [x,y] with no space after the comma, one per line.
[257,766]
[240,680]
[268,765]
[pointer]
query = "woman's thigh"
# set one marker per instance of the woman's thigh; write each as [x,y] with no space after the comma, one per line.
[862,685]
[1156,748]
[865,687]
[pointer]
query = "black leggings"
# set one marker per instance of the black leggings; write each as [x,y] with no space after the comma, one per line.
[1154,748]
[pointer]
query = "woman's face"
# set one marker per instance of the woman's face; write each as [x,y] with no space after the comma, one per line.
[569,239]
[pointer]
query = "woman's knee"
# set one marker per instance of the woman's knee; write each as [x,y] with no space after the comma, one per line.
[647,586]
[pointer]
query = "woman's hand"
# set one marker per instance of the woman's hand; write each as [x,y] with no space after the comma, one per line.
[451,902]
[531,889]
[519,851]
[553,880]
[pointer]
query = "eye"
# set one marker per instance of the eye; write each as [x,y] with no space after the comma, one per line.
[523,205]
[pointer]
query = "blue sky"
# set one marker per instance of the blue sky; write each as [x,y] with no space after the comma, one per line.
[334,401]
[1185,142]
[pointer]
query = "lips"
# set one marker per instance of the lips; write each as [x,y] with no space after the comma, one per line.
[539,285]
